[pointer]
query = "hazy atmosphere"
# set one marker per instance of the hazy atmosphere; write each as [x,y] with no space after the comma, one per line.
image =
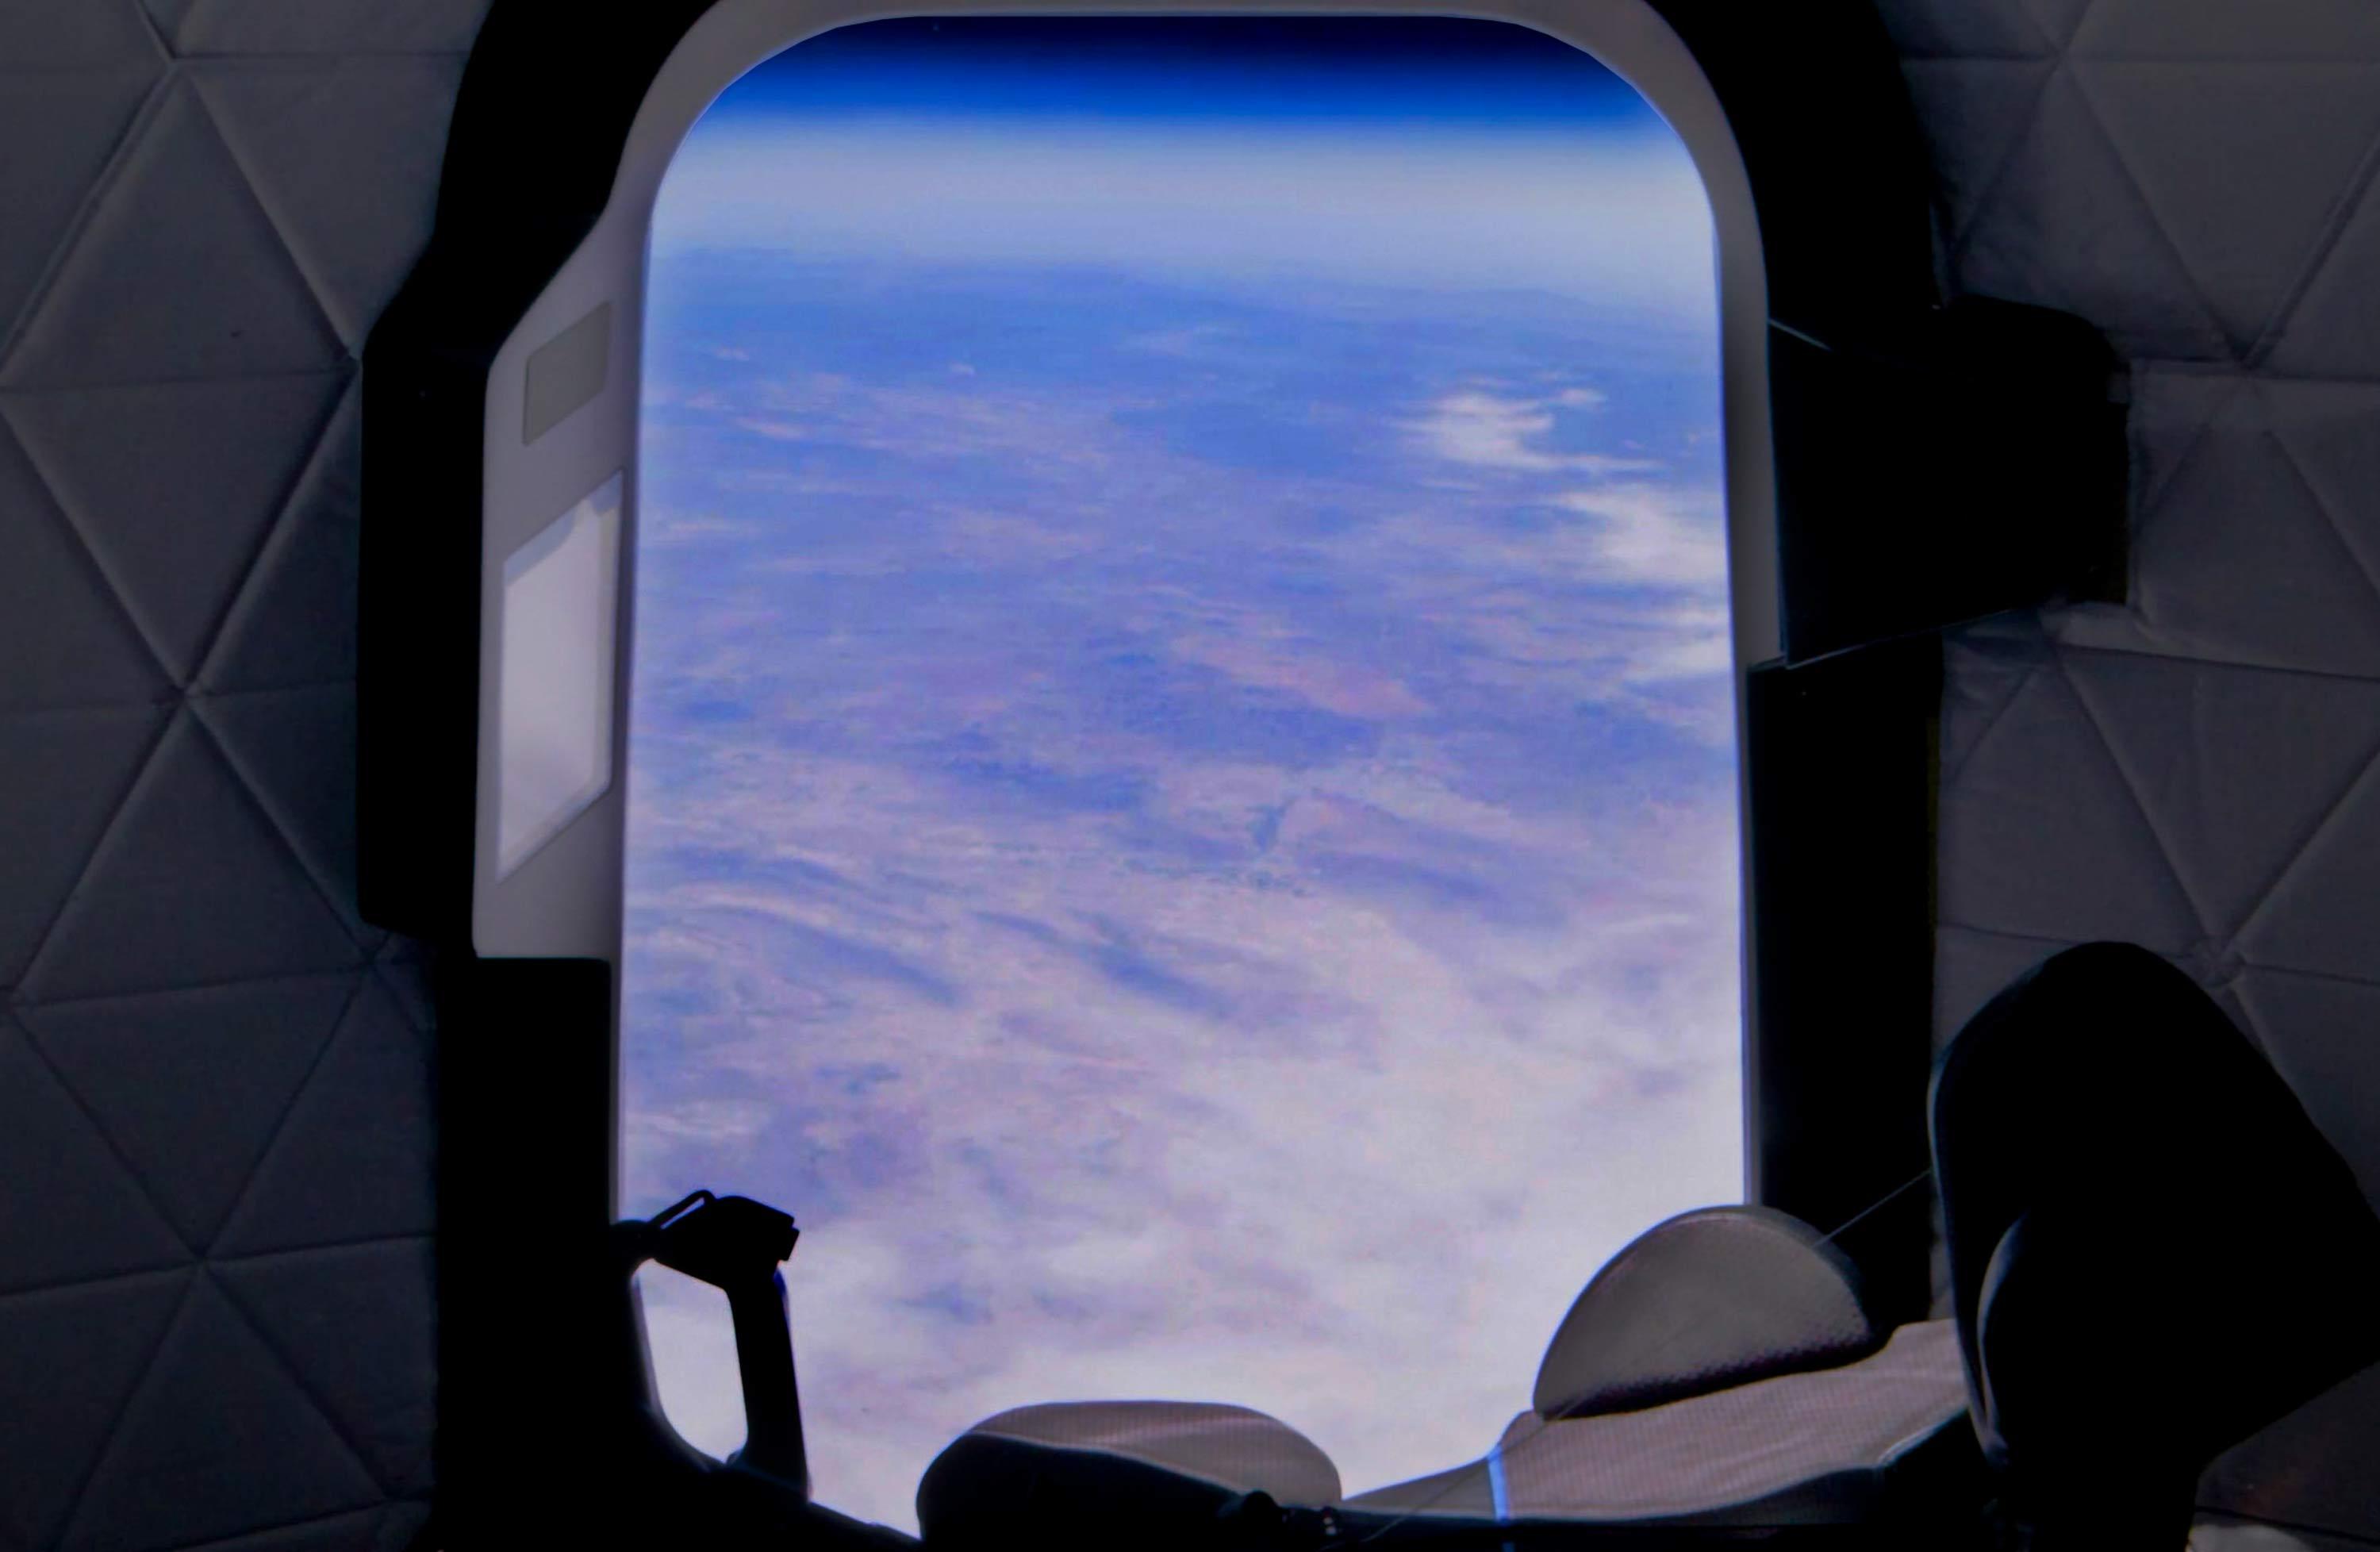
[1182,773]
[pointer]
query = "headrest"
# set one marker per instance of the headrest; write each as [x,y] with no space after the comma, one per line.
[1708,1299]
[1149,1474]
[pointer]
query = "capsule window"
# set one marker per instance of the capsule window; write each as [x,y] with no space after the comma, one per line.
[1183,775]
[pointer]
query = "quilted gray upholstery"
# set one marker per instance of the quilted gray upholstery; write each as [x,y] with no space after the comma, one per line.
[215,1124]
[2196,770]
[213,1284]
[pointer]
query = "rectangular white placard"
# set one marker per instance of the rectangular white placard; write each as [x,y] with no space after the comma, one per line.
[555,667]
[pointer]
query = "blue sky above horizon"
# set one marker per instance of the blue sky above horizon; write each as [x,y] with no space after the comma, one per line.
[1181,766]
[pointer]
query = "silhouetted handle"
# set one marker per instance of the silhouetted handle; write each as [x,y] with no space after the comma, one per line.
[735,1244]
[772,1402]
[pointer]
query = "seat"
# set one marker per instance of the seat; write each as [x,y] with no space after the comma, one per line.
[2153,1252]
[1722,1370]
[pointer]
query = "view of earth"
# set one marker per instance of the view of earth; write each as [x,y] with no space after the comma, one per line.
[1183,771]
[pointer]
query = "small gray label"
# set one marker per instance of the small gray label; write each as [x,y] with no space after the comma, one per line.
[565,372]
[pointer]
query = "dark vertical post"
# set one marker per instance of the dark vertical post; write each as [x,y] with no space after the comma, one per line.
[530,1339]
[1841,757]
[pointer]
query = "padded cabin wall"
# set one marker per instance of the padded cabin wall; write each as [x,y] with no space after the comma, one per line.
[215,1127]
[2194,770]
[214,1276]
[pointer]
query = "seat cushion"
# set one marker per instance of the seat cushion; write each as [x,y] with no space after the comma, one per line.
[1830,1445]
[1151,1466]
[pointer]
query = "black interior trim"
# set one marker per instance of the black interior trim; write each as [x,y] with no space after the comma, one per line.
[1842,755]
[1942,466]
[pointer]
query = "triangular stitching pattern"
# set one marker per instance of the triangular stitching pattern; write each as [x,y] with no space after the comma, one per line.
[282,502]
[2009,933]
[2363,982]
[270,1136]
[292,1372]
[89,553]
[1963,241]
[403,996]
[2255,348]
[2153,498]
[361,1242]
[187,711]
[2297,859]
[2147,207]
[2154,654]
[136,129]
[150,112]
[142,773]
[247,187]
[2313,493]
[115,1426]
[315,291]
[140,127]
[2226,941]
[252,575]
[305,1085]
[253,791]
[115,1432]
[2131,790]
[1949,777]
[107,1139]
[264,1538]
[2360,185]
[156,33]
[2074,28]
[245,574]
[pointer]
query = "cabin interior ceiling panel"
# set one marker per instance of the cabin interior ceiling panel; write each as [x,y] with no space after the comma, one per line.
[214,1275]
[215,1316]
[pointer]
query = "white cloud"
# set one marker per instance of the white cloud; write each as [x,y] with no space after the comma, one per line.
[1481,430]
[1654,536]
